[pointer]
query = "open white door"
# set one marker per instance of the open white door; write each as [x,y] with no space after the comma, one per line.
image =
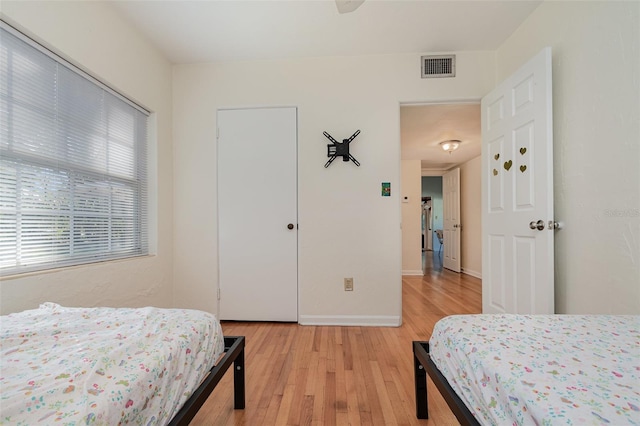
[517,192]
[451,213]
[257,214]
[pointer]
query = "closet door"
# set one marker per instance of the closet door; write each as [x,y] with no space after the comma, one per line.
[257,214]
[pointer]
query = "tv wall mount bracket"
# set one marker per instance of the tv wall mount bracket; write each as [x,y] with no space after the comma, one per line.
[336,149]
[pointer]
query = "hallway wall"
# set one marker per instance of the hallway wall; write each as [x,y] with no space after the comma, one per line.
[471,217]
[411,218]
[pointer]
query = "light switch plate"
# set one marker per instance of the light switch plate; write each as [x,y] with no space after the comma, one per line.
[348,284]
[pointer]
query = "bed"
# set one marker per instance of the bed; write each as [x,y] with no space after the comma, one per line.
[533,369]
[107,366]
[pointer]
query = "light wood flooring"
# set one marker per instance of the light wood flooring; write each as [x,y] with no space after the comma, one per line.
[307,375]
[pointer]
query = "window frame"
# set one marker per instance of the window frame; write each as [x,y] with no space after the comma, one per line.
[139,205]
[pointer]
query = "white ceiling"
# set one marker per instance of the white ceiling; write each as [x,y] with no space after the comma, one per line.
[188,31]
[215,30]
[423,127]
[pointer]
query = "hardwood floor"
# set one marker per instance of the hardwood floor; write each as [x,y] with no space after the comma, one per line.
[306,375]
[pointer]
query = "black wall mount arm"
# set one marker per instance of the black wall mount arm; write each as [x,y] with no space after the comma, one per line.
[341,149]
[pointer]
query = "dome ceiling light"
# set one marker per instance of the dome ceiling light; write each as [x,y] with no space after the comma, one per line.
[450,145]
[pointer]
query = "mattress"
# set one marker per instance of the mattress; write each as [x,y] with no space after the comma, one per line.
[542,369]
[103,366]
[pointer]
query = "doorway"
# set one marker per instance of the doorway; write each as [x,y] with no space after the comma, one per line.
[423,127]
[431,187]
[427,224]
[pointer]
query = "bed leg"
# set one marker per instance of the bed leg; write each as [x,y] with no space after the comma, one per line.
[422,407]
[238,381]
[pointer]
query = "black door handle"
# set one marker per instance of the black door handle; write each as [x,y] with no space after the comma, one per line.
[290,226]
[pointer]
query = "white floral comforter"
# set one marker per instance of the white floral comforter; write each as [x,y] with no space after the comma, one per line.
[542,370]
[102,366]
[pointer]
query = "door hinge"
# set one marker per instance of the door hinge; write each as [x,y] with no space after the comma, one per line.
[217,132]
[218,293]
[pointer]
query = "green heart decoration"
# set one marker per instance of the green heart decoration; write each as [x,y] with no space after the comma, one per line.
[495,172]
[507,165]
[496,156]
[523,168]
[523,150]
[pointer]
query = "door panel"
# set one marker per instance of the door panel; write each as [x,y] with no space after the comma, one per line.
[495,291]
[517,189]
[257,199]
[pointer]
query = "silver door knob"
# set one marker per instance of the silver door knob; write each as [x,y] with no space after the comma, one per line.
[553,225]
[539,225]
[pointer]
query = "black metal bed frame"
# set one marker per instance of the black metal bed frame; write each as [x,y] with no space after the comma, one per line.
[234,353]
[423,364]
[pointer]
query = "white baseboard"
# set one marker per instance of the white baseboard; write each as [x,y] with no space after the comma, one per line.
[413,272]
[351,320]
[472,273]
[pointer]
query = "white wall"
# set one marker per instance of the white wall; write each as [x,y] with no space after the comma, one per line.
[470,214]
[411,218]
[92,35]
[346,228]
[596,102]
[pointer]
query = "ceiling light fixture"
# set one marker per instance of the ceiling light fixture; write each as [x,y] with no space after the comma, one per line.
[450,145]
[346,6]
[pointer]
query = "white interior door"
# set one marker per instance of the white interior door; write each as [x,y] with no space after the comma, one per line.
[451,213]
[257,214]
[517,192]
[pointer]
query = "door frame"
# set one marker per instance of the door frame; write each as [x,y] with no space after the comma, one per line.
[475,101]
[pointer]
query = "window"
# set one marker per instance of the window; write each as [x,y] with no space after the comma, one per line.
[73,179]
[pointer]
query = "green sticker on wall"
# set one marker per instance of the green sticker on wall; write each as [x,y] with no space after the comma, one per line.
[507,165]
[386,189]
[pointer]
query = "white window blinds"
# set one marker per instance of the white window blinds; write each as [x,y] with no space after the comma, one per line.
[73,175]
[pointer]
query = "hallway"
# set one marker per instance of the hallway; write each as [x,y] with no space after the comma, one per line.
[432,262]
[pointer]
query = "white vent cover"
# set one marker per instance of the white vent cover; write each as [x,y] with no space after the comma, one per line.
[436,66]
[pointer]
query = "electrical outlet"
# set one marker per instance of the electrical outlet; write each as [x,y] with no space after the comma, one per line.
[348,284]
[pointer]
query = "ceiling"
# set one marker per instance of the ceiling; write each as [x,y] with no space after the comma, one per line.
[218,30]
[189,31]
[423,127]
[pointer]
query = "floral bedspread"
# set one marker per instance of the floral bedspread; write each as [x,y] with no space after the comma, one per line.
[542,369]
[102,366]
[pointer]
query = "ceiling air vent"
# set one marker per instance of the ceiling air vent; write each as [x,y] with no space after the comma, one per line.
[435,66]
